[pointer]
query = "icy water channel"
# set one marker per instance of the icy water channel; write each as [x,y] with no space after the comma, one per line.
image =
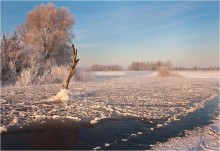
[107,134]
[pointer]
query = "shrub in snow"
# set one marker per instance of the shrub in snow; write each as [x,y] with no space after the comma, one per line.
[27,77]
[82,75]
[165,71]
[56,74]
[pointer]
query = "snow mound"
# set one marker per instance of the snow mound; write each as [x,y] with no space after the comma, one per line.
[63,95]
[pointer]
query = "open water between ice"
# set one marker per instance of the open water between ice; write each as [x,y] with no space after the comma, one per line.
[107,134]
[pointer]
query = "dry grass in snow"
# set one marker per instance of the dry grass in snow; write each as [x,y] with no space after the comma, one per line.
[166,72]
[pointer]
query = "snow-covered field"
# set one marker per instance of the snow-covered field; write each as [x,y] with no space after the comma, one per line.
[128,94]
[213,74]
[200,74]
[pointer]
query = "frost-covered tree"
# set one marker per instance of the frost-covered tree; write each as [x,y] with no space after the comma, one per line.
[11,59]
[48,30]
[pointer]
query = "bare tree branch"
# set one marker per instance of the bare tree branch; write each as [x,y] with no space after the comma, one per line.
[72,68]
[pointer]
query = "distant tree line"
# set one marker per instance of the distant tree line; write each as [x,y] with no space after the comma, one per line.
[140,65]
[137,66]
[99,67]
[134,66]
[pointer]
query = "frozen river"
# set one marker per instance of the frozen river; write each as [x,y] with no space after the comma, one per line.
[108,134]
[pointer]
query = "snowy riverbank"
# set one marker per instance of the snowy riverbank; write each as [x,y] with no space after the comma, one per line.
[205,138]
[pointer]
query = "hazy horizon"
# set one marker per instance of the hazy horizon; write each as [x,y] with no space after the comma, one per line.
[187,33]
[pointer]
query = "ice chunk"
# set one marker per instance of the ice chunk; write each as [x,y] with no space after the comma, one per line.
[3,101]
[95,106]
[107,144]
[159,125]
[3,129]
[93,121]
[22,113]
[96,148]
[15,120]
[63,95]
[73,118]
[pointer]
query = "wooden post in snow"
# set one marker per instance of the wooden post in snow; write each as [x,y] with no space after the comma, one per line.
[72,68]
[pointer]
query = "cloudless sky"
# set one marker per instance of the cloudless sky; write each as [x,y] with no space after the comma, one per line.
[119,32]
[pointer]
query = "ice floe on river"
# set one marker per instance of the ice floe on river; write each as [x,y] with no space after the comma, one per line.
[132,96]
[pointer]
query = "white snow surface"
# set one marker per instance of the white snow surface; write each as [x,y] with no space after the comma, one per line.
[140,96]
[205,138]
[213,74]
[200,74]
[63,95]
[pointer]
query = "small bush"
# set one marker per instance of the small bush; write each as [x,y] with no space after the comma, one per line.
[166,72]
[82,75]
[27,77]
[55,75]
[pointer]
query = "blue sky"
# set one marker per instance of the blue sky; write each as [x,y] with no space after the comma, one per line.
[119,32]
